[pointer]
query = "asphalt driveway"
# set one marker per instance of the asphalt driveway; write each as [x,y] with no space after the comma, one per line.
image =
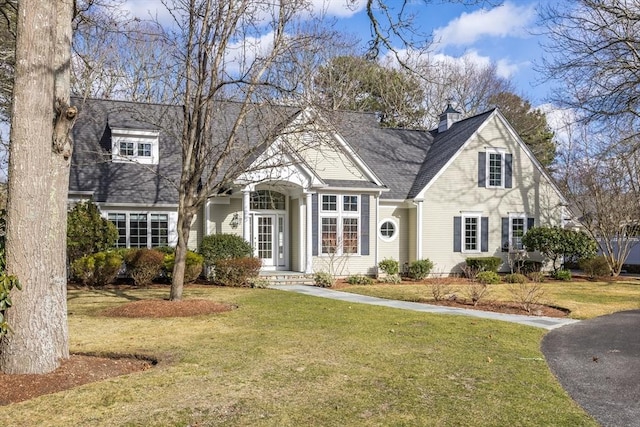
[598,362]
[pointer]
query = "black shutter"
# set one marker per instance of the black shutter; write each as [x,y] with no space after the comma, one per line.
[482,169]
[505,234]
[484,231]
[530,223]
[364,224]
[457,234]
[508,170]
[314,224]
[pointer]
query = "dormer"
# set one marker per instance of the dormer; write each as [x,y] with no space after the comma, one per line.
[448,118]
[134,145]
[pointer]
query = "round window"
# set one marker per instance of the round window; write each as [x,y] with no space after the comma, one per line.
[388,230]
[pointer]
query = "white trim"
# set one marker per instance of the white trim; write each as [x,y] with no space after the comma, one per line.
[419,205]
[502,152]
[396,229]
[135,137]
[463,232]
[309,234]
[512,216]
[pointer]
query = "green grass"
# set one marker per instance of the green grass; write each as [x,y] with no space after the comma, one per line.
[584,299]
[283,359]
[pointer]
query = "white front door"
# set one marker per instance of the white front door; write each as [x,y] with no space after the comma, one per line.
[269,240]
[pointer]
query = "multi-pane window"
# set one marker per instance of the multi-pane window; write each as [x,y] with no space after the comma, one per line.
[517,231]
[144,149]
[329,235]
[159,230]
[126,148]
[471,233]
[120,221]
[387,230]
[495,170]
[141,230]
[329,203]
[267,200]
[340,224]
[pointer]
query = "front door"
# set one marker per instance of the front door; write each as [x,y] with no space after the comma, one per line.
[269,242]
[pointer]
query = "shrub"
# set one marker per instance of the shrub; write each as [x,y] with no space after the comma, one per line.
[236,271]
[7,283]
[557,243]
[420,269]
[359,279]
[595,267]
[97,269]
[515,278]
[526,294]
[564,275]
[537,276]
[224,246]
[143,265]
[531,267]
[488,277]
[323,279]
[88,232]
[389,266]
[391,278]
[476,291]
[491,263]
[192,268]
[440,289]
[258,282]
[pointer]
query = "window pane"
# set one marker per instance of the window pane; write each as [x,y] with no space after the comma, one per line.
[329,203]
[159,230]
[471,234]
[350,204]
[350,235]
[495,169]
[144,150]
[126,148]
[329,235]
[387,229]
[517,231]
[120,221]
[267,200]
[138,230]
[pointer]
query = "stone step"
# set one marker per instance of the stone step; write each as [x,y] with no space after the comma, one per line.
[288,279]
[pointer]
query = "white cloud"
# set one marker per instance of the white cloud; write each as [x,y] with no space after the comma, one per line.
[507,20]
[562,121]
[338,8]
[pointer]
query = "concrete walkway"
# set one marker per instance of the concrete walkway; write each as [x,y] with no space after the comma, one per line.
[548,323]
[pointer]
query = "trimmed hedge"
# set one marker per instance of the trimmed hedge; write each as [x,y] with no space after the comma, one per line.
[143,265]
[236,271]
[488,278]
[192,269]
[491,263]
[97,269]
[224,246]
[420,269]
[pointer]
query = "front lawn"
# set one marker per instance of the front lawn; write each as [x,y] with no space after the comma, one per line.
[284,359]
[585,299]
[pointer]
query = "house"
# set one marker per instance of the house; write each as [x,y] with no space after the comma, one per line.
[328,190]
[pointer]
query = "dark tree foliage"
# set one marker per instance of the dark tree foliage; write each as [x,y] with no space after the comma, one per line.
[88,232]
[531,124]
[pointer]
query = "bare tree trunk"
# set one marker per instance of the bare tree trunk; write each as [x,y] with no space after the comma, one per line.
[185,216]
[38,183]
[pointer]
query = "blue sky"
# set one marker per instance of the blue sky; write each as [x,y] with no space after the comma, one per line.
[503,35]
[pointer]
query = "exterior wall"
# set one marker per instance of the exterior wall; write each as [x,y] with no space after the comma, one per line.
[351,264]
[195,235]
[412,235]
[398,247]
[225,216]
[457,190]
[327,159]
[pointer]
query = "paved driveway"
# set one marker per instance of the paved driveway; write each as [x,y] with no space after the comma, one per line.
[598,362]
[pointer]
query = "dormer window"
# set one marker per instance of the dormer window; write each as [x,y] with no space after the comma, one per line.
[134,145]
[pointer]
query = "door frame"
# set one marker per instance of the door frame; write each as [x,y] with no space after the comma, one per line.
[279,239]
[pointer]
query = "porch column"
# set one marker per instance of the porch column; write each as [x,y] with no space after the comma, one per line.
[418,204]
[309,236]
[246,223]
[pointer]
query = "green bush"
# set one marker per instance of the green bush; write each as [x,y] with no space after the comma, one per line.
[420,269]
[236,271]
[491,263]
[359,279]
[97,269]
[559,244]
[537,276]
[595,267]
[488,277]
[564,275]
[323,279]
[224,246]
[391,278]
[389,266]
[258,282]
[7,283]
[88,232]
[143,265]
[531,266]
[192,268]
[515,278]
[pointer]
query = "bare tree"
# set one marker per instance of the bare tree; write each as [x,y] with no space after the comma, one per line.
[593,55]
[603,187]
[38,182]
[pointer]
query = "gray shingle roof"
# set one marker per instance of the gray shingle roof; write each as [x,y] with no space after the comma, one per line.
[404,160]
